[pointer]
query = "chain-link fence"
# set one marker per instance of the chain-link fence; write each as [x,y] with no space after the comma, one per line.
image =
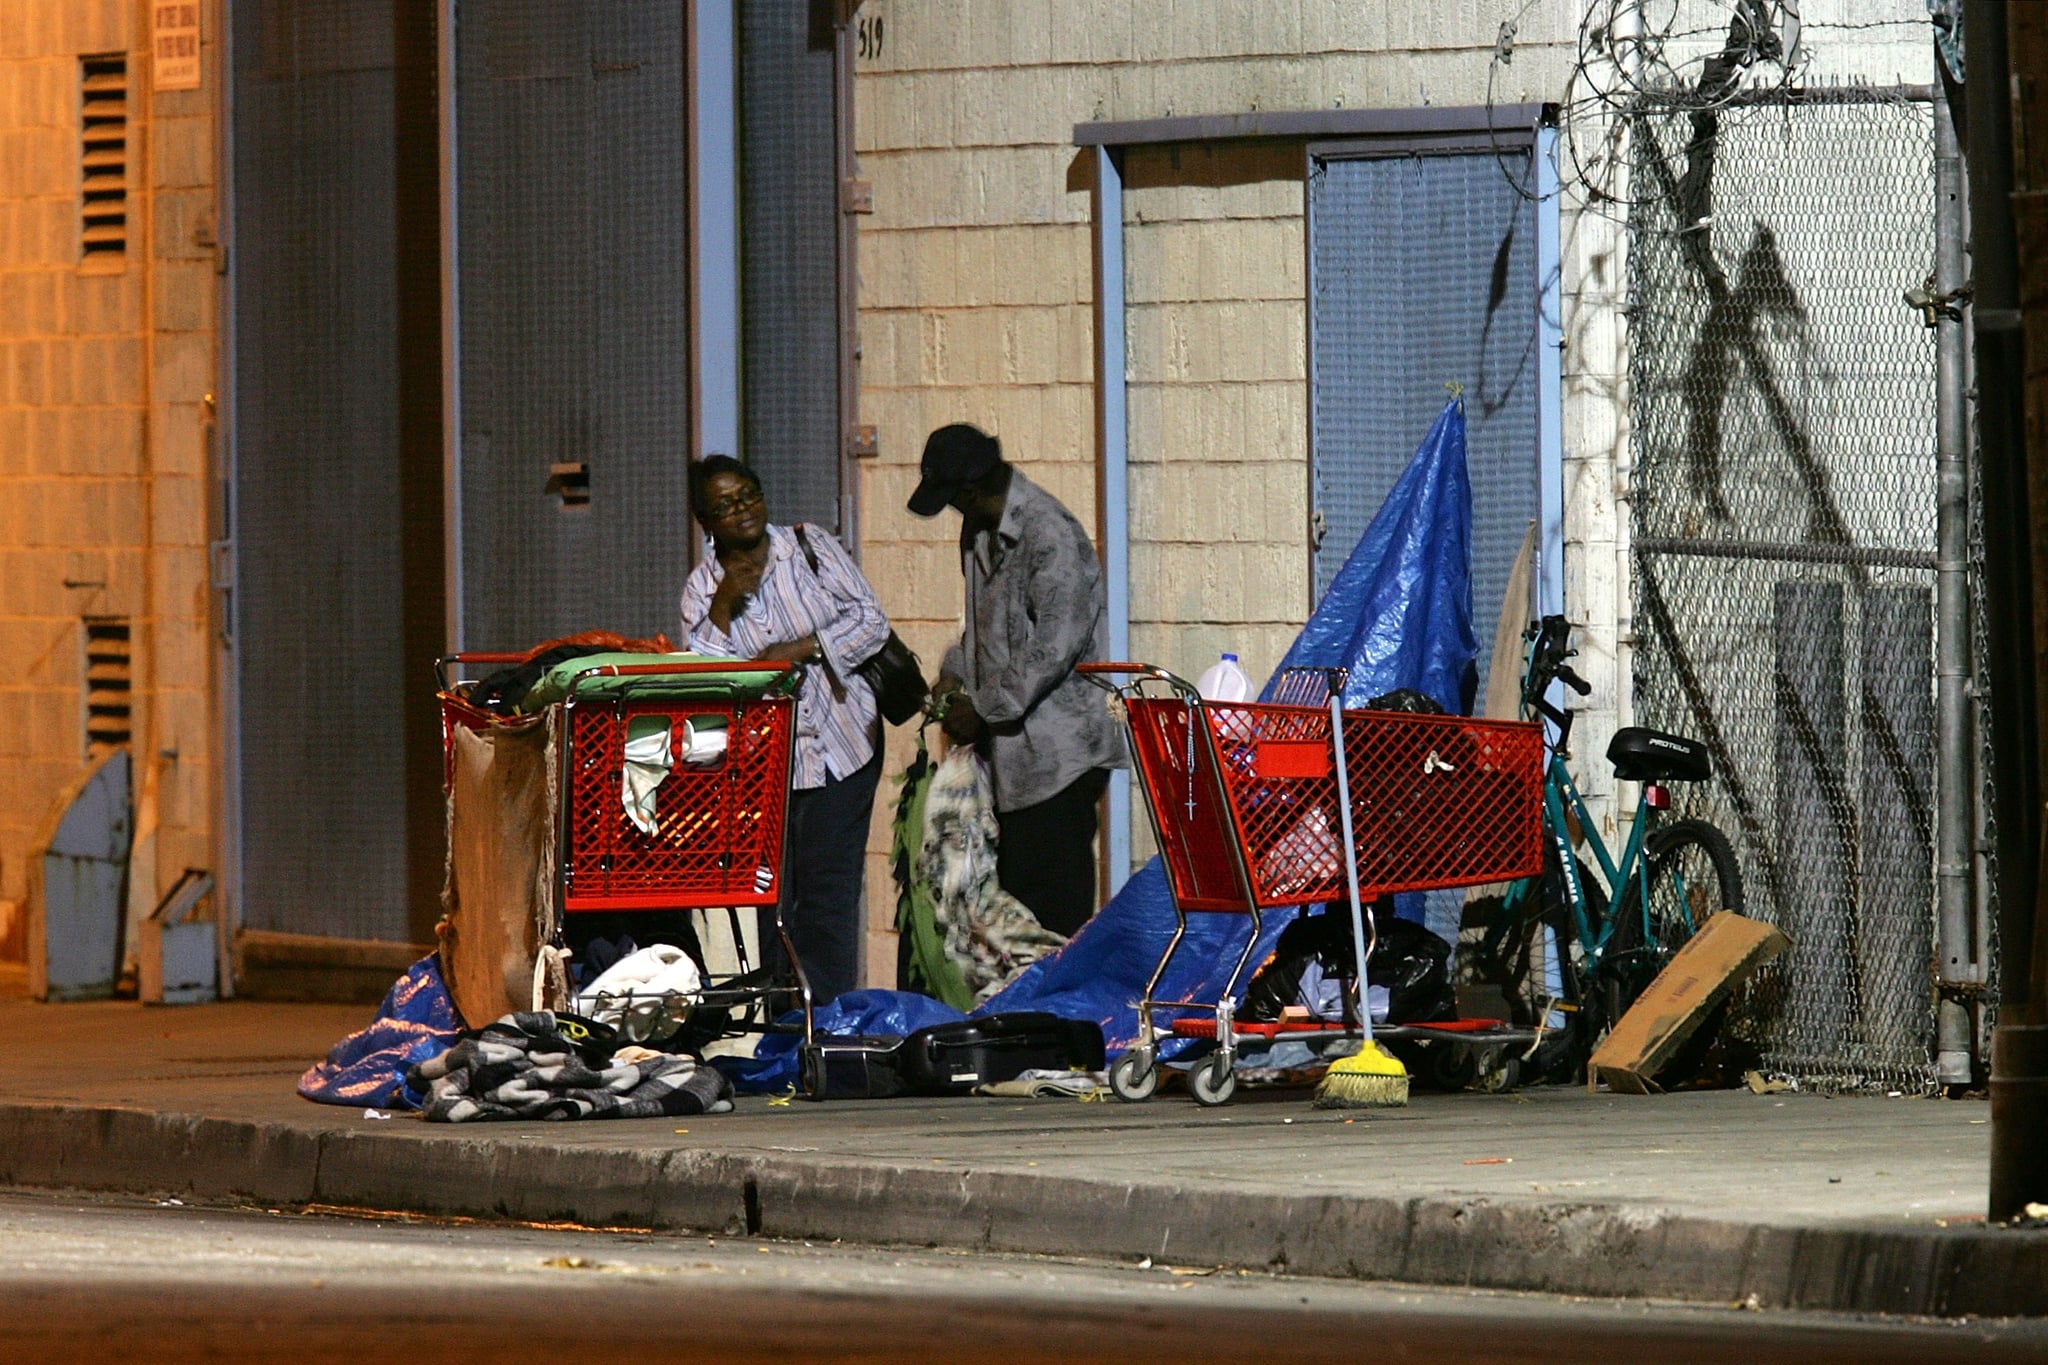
[1783,533]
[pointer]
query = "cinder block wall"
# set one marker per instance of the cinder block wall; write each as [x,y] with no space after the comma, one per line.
[105,366]
[978,282]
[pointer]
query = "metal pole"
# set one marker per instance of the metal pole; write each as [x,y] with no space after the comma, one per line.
[1358,910]
[2019,1049]
[1955,944]
[1115,494]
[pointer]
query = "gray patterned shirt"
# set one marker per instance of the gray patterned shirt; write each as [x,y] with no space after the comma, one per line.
[1035,608]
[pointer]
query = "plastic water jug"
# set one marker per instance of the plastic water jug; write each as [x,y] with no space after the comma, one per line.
[1224,681]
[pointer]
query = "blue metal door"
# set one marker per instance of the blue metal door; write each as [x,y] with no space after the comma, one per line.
[1423,272]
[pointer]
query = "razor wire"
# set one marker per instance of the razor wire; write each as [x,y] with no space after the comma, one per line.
[1783,502]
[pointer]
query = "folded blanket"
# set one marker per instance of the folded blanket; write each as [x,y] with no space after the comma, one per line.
[522,1067]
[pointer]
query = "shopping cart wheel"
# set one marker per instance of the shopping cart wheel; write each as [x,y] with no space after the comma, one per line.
[1499,1071]
[1134,1077]
[1450,1066]
[1214,1081]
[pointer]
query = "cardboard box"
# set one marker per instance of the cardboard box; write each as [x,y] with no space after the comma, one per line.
[1725,952]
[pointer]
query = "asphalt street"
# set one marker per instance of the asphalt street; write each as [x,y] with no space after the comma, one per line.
[99,1278]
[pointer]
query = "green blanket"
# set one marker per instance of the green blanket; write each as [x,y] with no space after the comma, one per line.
[743,680]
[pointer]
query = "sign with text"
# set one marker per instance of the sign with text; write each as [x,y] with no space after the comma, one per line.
[174,44]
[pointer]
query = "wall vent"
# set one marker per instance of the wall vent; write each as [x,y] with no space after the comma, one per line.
[103,163]
[107,684]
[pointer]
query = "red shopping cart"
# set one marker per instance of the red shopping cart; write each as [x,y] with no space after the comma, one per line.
[711,835]
[1258,806]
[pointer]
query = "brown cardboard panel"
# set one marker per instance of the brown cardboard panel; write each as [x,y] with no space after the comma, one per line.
[1719,957]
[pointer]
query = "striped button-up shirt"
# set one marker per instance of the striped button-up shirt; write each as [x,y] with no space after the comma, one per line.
[835,734]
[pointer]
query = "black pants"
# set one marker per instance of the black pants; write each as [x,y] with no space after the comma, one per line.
[1045,854]
[826,849]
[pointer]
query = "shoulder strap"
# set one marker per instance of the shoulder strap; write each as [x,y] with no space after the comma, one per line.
[810,555]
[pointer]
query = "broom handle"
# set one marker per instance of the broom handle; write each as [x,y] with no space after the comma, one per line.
[1350,859]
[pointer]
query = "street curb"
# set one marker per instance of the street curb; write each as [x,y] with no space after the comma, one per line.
[1598,1250]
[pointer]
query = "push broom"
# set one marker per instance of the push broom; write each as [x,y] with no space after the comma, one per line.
[1372,1077]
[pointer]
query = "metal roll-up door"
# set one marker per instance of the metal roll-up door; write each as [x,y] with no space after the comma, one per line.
[319,672]
[572,270]
[789,253]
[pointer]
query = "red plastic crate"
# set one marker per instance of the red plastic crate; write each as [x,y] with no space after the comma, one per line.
[718,829]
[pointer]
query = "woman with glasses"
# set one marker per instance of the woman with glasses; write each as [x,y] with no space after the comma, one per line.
[794,595]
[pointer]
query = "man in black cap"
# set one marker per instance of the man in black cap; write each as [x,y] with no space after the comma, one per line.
[1035,609]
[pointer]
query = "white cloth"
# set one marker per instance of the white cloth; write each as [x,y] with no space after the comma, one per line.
[704,740]
[648,760]
[640,988]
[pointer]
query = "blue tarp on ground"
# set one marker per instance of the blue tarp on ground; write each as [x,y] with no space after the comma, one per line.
[1398,614]
[416,1021]
[877,1014]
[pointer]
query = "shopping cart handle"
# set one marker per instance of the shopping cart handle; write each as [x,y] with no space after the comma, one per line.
[674,669]
[1101,674]
[472,657]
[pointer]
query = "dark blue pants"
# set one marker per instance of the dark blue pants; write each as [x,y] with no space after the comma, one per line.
[824,862]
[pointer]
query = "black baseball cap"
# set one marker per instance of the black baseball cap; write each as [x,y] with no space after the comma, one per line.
[954,456]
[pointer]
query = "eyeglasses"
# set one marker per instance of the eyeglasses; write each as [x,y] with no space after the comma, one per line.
[738,502]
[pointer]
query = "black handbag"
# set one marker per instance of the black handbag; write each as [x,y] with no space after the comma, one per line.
[894,672]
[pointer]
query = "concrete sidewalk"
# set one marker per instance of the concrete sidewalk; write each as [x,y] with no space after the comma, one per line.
[1799,1201]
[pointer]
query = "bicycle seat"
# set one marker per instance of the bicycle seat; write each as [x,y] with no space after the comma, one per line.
[1640,754]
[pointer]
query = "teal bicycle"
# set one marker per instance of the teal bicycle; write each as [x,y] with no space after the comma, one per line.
[1583,942]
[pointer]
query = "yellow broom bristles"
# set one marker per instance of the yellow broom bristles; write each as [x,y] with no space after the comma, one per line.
[1371,1078]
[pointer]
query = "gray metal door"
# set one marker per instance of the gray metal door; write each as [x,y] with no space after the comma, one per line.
[572,277]
[1422,272]
[319,672]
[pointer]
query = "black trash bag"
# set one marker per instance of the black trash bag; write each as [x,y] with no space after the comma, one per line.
[1322,938]
[1405,699]
[1413,965]
[502,691]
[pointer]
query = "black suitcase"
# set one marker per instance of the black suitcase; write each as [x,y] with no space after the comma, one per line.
[859,1068]
[951,1059]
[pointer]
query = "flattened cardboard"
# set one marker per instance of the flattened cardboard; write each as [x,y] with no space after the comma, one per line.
[1725,951]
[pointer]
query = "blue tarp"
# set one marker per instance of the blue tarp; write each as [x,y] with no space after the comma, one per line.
[880,1014]
[416,1021]
[1398,614]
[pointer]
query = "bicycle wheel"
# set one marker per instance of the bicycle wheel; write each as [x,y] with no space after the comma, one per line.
[1692,875]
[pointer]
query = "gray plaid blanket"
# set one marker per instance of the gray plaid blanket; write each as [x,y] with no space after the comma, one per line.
[523,1068]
